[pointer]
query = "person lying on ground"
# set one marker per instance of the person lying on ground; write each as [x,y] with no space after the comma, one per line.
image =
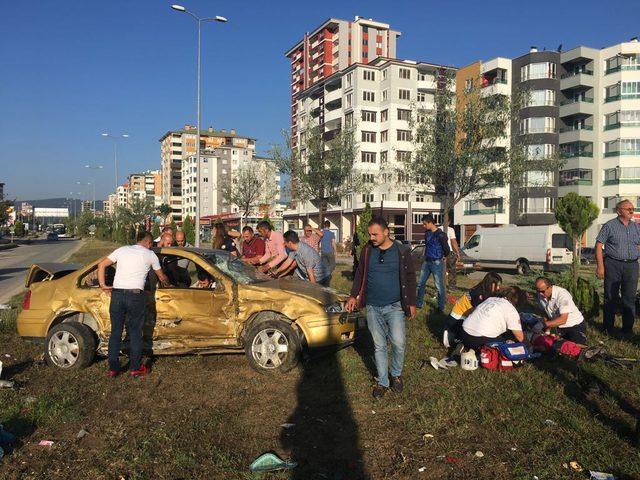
[489,286]
[560,311]
[305,260]
[495,320]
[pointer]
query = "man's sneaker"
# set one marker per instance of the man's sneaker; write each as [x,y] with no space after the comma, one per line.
[379,391]
[113,373]
[396,384]
[447,339]
[141,372]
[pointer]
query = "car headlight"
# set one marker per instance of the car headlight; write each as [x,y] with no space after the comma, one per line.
[335,307]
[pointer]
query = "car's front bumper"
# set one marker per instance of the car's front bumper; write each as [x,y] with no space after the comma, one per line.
[332,328]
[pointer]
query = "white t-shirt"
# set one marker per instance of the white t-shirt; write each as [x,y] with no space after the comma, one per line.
[559,303]
[451,235]
[134,262]
[492,318]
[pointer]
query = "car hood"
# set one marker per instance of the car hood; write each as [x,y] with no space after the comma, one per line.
[296,286]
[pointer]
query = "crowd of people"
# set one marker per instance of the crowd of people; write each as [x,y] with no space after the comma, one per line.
[385,285]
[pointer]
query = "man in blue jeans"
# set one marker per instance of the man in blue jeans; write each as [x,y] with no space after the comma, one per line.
[436,248]
[129,300]
[385,282]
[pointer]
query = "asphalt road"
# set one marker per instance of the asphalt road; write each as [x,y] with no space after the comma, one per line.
[15,263]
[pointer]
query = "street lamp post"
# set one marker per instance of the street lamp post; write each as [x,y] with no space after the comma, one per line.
[115,139]
[217,18]
[93,180]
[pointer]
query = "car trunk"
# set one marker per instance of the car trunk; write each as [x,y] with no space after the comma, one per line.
[45,272]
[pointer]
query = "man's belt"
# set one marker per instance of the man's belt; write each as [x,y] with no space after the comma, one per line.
[623,261]
[132,290]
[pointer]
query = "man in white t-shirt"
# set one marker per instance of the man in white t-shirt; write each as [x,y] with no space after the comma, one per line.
[128,299]
[452,259]
[561,311]
[493,319]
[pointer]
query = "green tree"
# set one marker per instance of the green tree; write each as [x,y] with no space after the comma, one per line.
[5,209]
[189,230]
[173,225]
[362,228]
[155,230]
[575,214]
[322,167]
[164,210]
[253,185]
[18,229]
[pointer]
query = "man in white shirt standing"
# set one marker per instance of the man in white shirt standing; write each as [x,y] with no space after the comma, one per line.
[561,311]
[452,259]
[128,299]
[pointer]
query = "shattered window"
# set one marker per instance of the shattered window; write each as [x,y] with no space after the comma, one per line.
[236,268]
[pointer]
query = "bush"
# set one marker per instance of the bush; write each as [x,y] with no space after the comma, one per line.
[19,230]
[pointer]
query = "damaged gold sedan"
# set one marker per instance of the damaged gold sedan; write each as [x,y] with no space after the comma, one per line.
[240,309]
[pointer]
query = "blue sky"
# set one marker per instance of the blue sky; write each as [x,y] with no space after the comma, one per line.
[73,69]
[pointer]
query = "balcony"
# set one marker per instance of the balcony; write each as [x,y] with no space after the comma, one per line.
[618,181]
[618,153]
[571,101]
[627,96]
[572,107]
[575,181]
[573,128]
[576,154]
[620,68]
[615,126]
[485,211]
[581,133]
[578,72]
[574,80]
[494,81]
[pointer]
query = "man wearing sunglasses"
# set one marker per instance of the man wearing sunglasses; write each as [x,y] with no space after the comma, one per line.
[618,265]
[385,282]
[560,311]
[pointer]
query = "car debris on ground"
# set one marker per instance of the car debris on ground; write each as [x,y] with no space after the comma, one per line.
[269,462]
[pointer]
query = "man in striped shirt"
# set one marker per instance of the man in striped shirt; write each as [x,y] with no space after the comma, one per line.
[618,265]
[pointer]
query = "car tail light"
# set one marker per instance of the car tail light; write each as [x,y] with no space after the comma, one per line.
[548,255]
[26,303]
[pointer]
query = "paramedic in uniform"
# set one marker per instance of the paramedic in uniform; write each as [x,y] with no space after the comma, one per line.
[128,299]
[561,311]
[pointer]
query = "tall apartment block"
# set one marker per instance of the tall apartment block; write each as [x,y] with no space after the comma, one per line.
[378,100]
[584,104]
[177,146]
[145,186]
[332,47]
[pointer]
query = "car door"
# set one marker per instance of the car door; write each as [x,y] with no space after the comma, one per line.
[192,317]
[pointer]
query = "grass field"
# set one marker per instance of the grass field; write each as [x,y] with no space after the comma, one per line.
[211,416]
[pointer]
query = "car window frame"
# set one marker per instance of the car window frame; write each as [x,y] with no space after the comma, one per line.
[220,288]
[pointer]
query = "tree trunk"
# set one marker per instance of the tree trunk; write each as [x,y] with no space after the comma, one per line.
[445,229]
[322,206]
[576,258]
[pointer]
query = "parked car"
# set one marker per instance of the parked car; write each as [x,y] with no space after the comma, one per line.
[520,248]
[464,265]
[588,256]
[271,320]
[52,237]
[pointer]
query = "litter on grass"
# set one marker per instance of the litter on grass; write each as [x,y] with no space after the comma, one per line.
[427,435]
[269,462]
[434,362]
[479,454]
[422,469]
[576,466]
[5,306]
[46,443]
[601,476]
[81,434]
[287,426]
[549,422]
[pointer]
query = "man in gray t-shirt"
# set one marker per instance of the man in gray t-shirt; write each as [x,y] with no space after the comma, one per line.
[304,259]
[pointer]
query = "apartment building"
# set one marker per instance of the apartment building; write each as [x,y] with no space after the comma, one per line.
[179,145]
[145,186]
[378,100]
[332,47]
[583,104]
[110,204]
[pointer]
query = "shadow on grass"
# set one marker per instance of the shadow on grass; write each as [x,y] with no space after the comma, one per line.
[591,392]
[324,441]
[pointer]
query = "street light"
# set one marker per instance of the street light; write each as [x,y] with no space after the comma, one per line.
[115,139]
[217,18]
[94,167]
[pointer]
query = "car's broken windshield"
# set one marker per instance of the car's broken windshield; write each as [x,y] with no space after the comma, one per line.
[236,268]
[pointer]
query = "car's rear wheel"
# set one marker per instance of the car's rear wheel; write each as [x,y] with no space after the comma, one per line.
[70,346]
[272,346]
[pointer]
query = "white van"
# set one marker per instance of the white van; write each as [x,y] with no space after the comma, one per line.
[521,248]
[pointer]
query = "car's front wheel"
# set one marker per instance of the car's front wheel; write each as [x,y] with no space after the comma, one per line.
[272,346]
[70,346]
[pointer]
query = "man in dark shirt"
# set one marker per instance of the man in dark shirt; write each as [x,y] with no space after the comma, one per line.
[618,266]
[436,247]
[385,283]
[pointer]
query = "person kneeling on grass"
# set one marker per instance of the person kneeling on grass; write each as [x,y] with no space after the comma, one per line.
[494,320]
[560,311]
[488,287]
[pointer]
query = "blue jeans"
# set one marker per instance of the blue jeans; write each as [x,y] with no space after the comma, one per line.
[429,267]
[387,323]
[128,307]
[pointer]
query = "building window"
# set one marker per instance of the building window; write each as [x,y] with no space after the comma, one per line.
[368,116]
[422,97]
[384,115]
[538,125]
[404,73]
[369,137]
[368,96]
[349,79]
[368,75]
[349,100]
[537,205]
[540,151]
[384,156]
[368,157]
[578,176]
[404,114]
[468,85]
[384,136]
[348,119]
[404,94]
[385,94]
[539,98]
[367,177]
[535,71]
[403,156]
[403,135]
[367,197]
[536,178]
[384,74]
[403,197]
